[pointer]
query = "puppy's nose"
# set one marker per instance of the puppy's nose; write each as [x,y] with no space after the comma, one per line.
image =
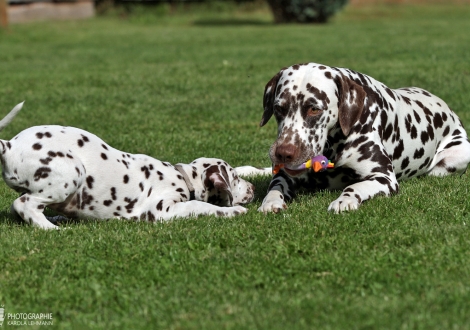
[286,153]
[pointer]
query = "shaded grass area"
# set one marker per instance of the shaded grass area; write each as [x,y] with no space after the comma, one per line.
[178,90]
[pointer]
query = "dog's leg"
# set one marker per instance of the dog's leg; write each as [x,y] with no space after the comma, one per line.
[166,210]
[375,176]
[453,159]
[30,208]
[356,193]
[281,190]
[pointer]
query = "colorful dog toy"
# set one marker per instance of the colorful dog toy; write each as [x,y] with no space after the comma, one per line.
[318,163]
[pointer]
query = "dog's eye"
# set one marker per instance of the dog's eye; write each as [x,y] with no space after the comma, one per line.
[313,112]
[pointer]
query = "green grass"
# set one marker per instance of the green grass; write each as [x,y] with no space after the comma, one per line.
[182,87]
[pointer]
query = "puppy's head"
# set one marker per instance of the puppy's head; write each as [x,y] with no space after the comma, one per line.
[308,101]
[218,183]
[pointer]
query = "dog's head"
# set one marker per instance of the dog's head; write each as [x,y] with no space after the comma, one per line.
[218,183]
[308,101]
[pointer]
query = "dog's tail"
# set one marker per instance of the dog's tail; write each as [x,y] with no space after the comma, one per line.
[8,118]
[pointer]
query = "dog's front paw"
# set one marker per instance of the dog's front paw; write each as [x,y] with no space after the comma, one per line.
[273,203]
[232,211]
[344,203]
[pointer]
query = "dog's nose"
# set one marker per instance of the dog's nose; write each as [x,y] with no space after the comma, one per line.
[285,153]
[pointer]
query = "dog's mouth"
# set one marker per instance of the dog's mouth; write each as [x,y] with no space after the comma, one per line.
[293,172]
[318,163]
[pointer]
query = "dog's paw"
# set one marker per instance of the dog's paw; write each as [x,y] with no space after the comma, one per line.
[250,171]
[344,203]
[273,203]
[231,211]
[46,226]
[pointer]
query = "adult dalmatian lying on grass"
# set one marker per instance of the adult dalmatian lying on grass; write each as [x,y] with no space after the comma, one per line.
[375,135]
[77,174]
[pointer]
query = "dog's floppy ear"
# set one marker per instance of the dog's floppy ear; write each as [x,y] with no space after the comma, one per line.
[268,99]
[217,184]
[351,102]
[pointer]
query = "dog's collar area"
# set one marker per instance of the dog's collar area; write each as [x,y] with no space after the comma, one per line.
[192,195]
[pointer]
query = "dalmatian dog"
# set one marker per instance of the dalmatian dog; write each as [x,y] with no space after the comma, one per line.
[375,135]
[77,174]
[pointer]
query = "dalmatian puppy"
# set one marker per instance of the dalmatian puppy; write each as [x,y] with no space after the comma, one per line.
[77,174]
[375,135]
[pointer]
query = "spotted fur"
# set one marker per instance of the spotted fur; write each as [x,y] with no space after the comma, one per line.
[375,135]
[77,174]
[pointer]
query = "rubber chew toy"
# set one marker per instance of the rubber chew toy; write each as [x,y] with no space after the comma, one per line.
[318,163]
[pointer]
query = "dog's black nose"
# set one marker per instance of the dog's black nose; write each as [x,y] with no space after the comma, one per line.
[286,153]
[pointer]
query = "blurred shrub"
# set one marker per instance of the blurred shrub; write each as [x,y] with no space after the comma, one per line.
[304,11]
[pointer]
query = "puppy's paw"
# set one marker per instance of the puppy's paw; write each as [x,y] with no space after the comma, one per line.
[344,203]
[46,226]
[231,211]
[273,203]
[250,171]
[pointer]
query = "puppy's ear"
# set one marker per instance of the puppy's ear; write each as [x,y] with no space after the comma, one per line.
[217,184]
[351,102]
[268,99]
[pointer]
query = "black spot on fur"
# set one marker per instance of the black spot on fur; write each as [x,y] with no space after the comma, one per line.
[41,173]
[89,181]
[398,150]
[446,131]
[130,204]
[160,205]
[45,161]
[37,146]
[452,144]
[146,170]
[405,163]
[437,120]
[419,153]
[113,193]
[424,137]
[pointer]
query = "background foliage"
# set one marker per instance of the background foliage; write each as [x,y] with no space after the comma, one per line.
[304,11]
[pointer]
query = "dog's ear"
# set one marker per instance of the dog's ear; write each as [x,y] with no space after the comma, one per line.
[217,184]
[351,102]
[268,99]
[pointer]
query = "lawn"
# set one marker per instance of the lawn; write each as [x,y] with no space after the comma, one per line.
[178,88]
